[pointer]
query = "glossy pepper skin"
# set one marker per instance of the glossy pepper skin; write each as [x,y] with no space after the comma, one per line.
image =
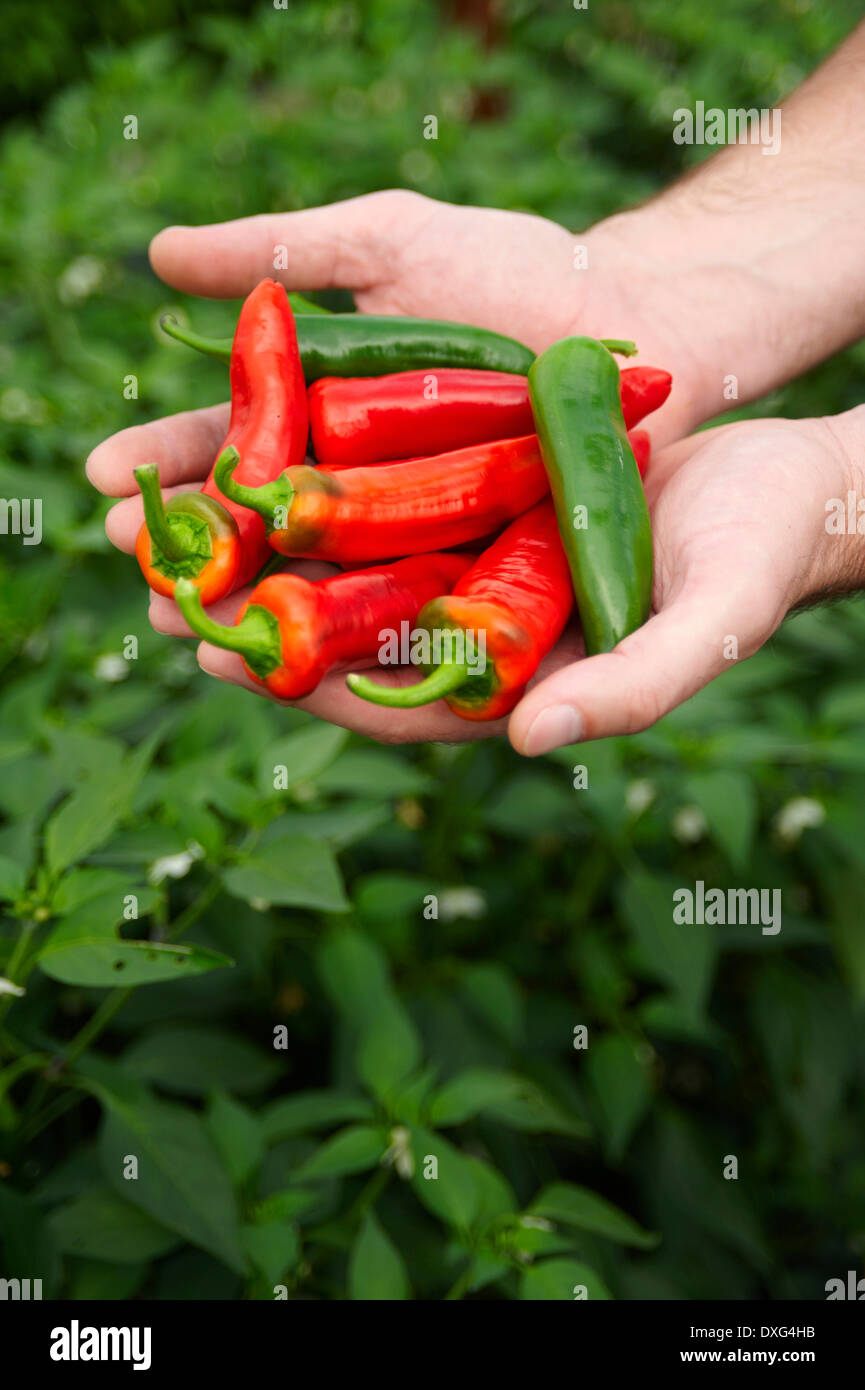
[204,536]
[292,632]
[518,594]
[396,509]
[370,345]
[362,420]
[599,500]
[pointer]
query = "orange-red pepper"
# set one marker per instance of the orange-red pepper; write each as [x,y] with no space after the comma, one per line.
[507,612]
[204,536]
[292,632]
[395,509]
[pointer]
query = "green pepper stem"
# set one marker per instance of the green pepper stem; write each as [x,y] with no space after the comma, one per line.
[445,679]
[212,347]
[266,500]
[155,515]
[622,346]
[256,637]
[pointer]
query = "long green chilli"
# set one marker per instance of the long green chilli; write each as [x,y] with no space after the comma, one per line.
[369,345]
[599,499]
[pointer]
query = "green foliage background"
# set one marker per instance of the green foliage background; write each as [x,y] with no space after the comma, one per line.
[302,911]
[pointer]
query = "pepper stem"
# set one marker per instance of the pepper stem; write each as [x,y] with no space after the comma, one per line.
[442,681]
[156,517]
[211,347]
[256,637]
[622,346]
[269,500]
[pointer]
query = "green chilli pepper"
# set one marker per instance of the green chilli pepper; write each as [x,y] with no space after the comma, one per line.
[599,499]
[368,345]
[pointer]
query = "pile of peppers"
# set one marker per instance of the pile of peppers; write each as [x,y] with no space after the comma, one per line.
[470,494]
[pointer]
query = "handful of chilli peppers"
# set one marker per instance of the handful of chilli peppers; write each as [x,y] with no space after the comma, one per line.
[465,489]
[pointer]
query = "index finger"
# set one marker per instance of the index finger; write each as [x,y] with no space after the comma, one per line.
[183,445]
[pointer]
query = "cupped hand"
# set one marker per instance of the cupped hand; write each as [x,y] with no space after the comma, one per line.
[738,513]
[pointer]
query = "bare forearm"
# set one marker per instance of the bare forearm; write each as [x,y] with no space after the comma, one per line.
[766,249]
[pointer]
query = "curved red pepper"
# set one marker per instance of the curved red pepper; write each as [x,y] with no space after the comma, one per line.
[518,595]
[204,536]
[396,509]
[292,632]
[361,420]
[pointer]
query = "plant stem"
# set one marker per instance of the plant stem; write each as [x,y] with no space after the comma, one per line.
[19,950]
[461,1286]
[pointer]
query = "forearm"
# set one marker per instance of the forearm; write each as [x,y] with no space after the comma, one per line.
[764,252]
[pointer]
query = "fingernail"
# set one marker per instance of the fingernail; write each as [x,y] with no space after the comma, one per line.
[552,728]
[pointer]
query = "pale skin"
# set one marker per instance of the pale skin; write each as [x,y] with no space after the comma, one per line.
[751,268]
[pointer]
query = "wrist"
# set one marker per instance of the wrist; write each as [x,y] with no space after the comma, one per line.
[843,564]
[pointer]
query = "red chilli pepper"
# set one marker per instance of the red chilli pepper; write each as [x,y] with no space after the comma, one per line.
[515,600]
[203,536]
[641,447]
[638,439]
[397,509]
[362,420]
[292,632]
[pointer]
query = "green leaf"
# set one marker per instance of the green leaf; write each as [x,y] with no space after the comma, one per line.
[556,1280]
[620,1087]
[99,1281]
[388,1050]
[84,949]
[310,1111]
[181,1182]
[728,801]
[194,1059]
[470,1092]
[304,754]
[353,1150]
[13,880]
[273,1247]
[355,975]
[494,996]
[87,818]
[237,1134]
[446,1187]
[577,1206]
[284,1206]
[375,1268]
[27,1243]
[374,771]
[100,1225]
[683,957]
[535,1112]
[293,872]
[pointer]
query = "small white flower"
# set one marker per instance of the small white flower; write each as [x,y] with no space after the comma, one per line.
[7,987]
[537,1223]
[689,825]
[80,279]
[399,1155]
[111,667]
[801,813]
[462,902]
[639,795]
[174,865]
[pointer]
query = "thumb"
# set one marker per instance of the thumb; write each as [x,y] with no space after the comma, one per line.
[348,245]
[652,671]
